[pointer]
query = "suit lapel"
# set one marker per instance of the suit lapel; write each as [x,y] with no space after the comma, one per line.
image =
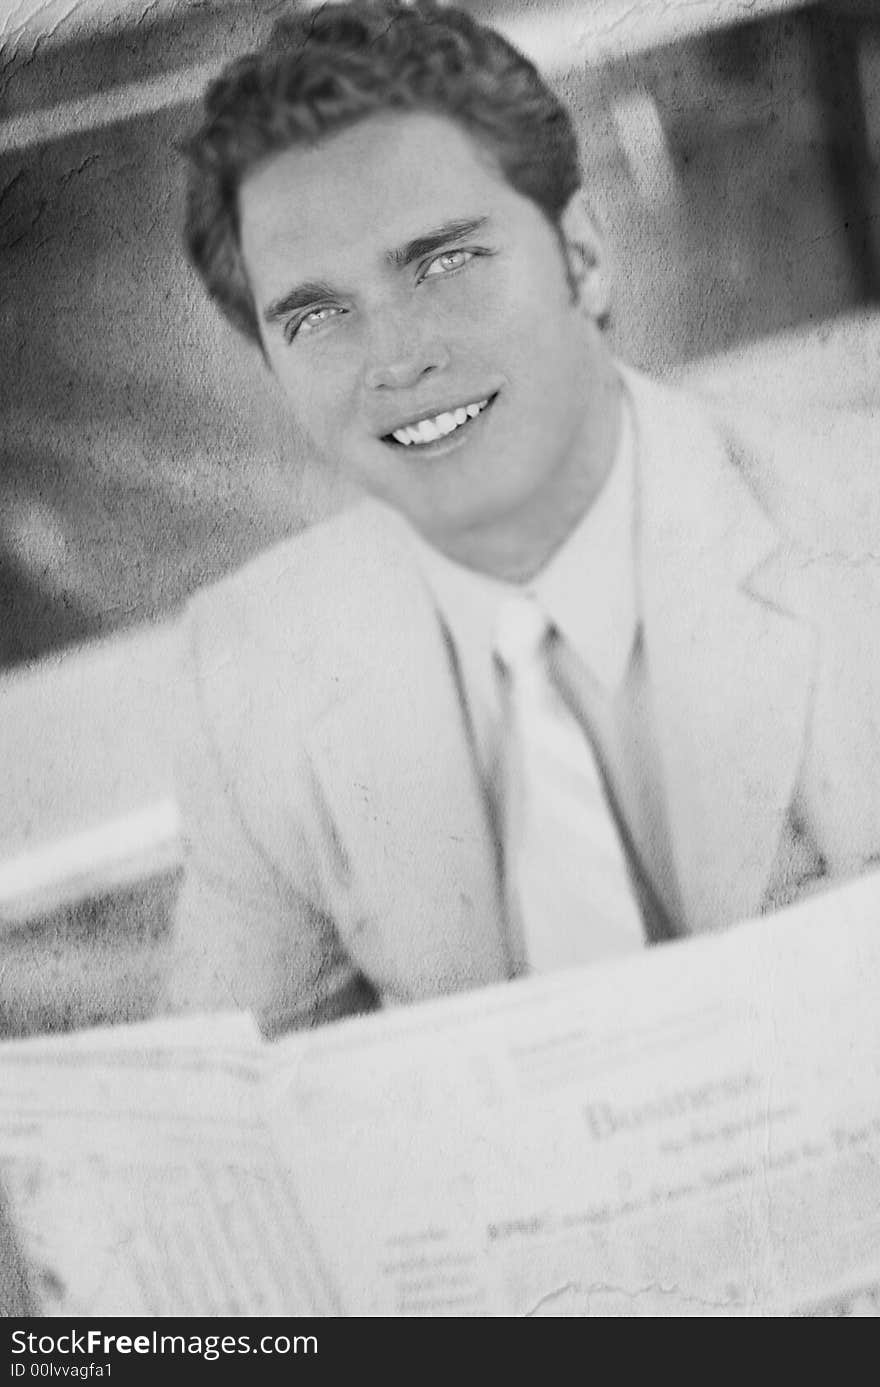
[730,673]
[394,759]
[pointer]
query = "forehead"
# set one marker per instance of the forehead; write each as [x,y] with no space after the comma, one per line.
[358,194]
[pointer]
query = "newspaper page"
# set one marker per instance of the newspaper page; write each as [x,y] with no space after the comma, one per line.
[694,1133]
[141,1178]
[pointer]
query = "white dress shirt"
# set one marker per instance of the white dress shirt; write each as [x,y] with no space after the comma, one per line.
[589,590]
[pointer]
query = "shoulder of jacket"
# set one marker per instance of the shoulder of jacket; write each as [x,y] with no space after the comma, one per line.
[280,630]
[816,472]
[295,589]
[814,468]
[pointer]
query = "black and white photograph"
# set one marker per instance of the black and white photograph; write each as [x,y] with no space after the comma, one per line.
[439,666]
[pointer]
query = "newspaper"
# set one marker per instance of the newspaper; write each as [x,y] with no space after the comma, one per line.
[138,1163]
[694,1132]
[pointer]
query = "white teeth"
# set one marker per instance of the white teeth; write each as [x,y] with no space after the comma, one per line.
[446,423]
[426,431]
[429,430]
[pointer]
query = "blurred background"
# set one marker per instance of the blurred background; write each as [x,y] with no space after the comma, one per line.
[731,156]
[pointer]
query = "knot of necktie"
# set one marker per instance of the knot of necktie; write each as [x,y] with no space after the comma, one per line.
[521,631]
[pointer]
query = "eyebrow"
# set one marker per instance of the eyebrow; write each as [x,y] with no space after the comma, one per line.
[318,291]
[303,296]
[434,240]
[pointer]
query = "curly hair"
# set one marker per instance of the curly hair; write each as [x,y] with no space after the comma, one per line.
[324,70]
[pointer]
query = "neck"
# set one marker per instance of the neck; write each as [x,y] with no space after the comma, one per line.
[517,546]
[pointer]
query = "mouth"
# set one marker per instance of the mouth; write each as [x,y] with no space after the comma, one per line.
[439,428]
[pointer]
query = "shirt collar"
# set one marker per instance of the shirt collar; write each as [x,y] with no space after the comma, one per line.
[597,563]
[588,589]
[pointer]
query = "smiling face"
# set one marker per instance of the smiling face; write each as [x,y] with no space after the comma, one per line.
[418,313]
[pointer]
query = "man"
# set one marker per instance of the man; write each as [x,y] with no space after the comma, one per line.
[589,667]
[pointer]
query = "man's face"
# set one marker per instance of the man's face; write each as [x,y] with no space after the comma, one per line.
[418,314]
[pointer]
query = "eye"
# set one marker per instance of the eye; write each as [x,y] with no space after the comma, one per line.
[447,263]
[315,318]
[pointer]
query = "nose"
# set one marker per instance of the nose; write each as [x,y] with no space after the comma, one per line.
[401,353]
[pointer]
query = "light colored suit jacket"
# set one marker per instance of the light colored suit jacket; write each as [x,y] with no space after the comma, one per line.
[339,841]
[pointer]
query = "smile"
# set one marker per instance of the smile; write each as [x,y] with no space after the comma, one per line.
[439,425]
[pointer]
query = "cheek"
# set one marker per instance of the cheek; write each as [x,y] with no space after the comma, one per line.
[523,324]
[319,395]
[484,316]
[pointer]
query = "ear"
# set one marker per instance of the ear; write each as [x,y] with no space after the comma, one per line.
[586,258]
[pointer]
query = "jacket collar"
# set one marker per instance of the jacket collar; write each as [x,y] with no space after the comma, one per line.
[730,670]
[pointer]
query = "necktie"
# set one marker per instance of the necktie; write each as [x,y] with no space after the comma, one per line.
[569,892]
